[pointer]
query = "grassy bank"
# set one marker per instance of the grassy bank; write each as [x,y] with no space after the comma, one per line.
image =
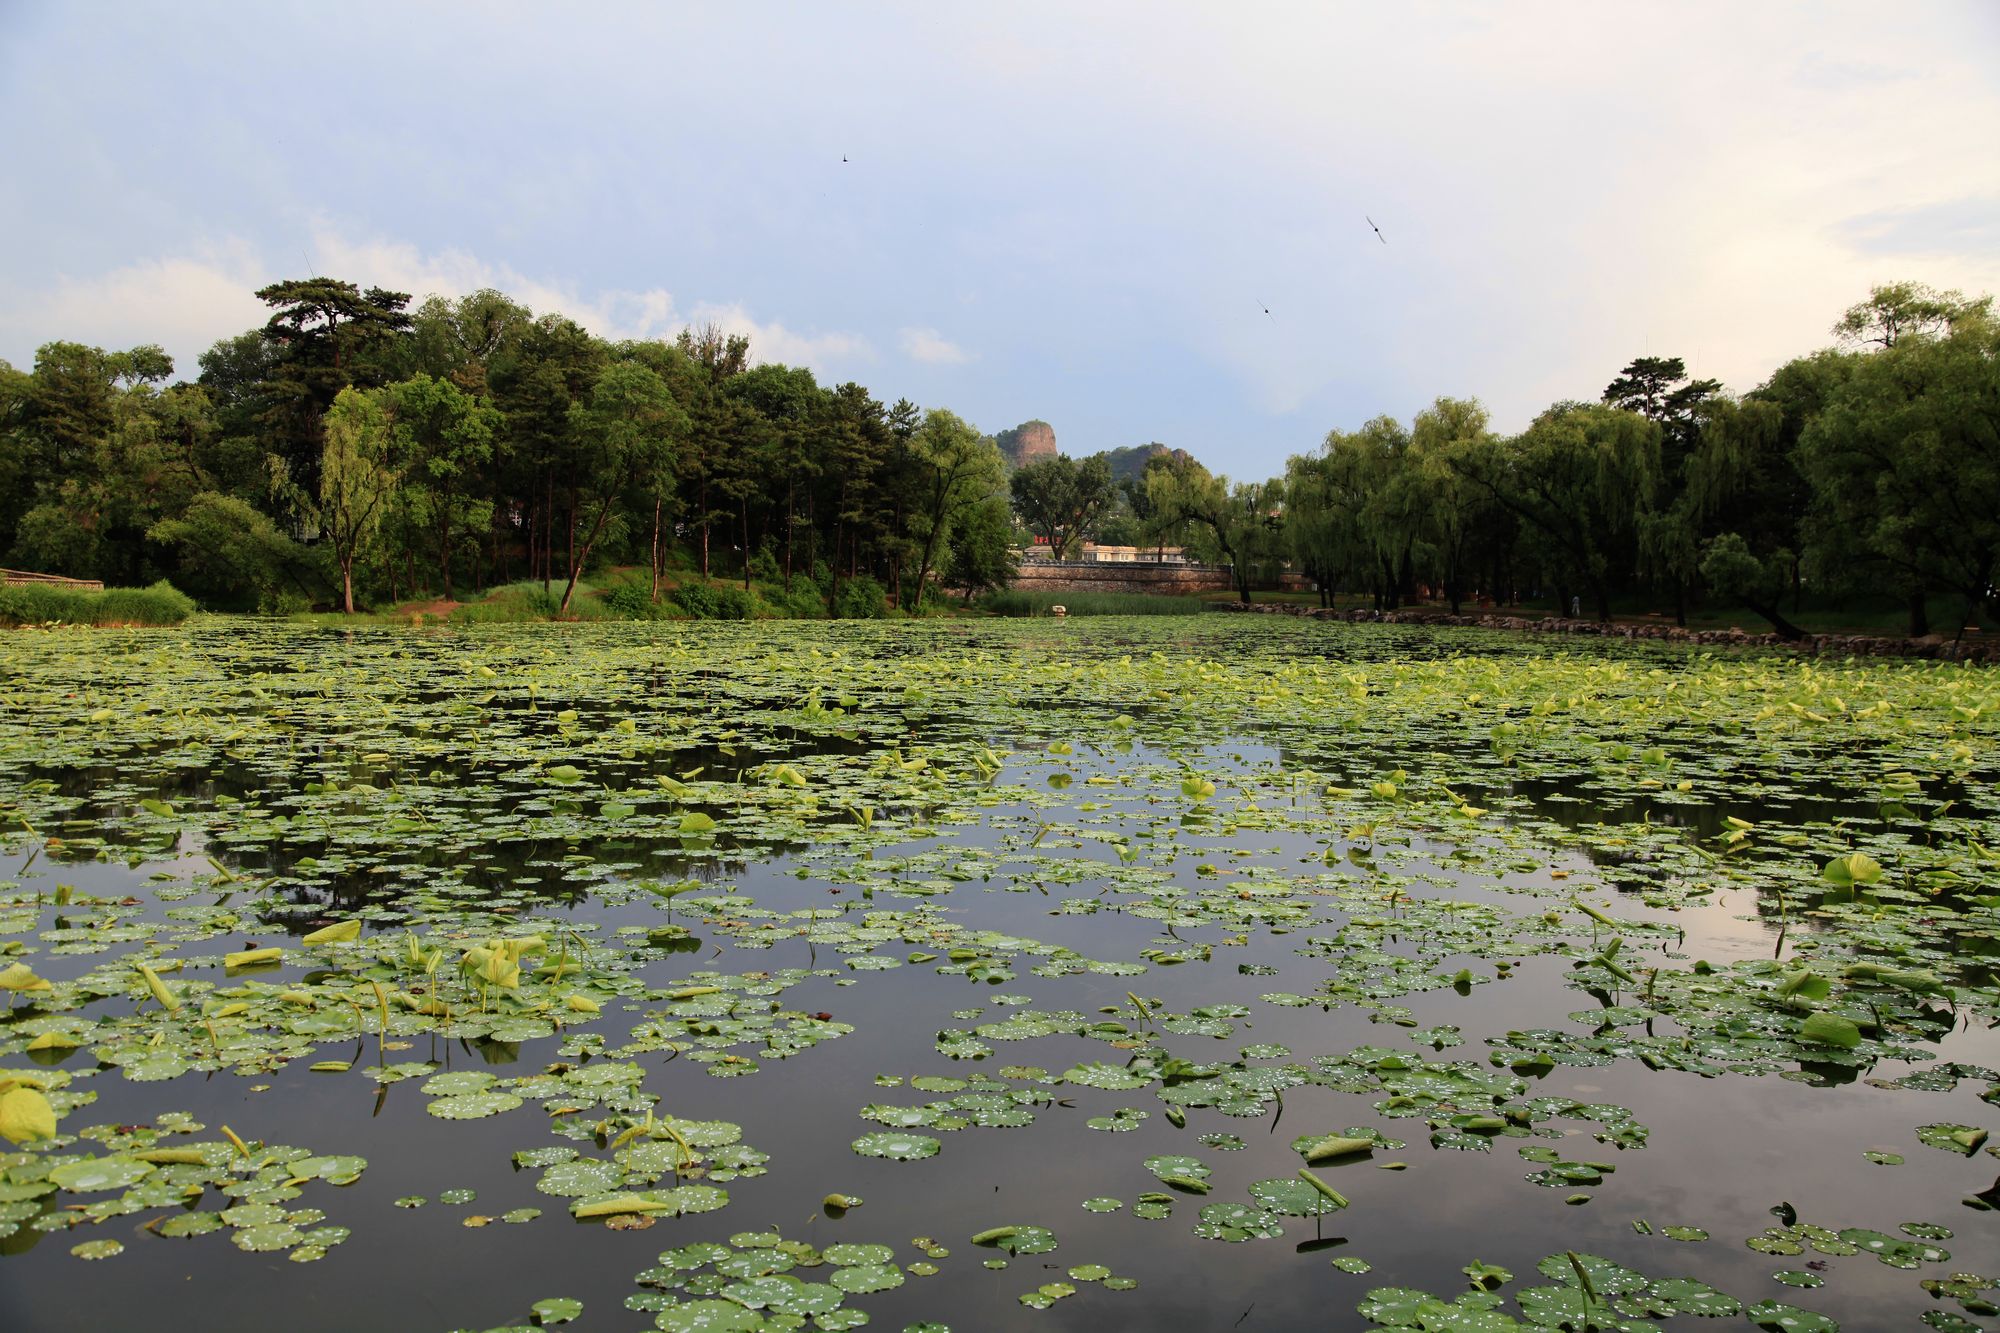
[52,604]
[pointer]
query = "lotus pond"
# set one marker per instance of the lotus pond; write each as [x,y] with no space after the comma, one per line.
[1212,973]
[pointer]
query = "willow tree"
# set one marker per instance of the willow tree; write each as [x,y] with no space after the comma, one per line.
[1905,466]
[358,474]
[1577,479]
[1241,523]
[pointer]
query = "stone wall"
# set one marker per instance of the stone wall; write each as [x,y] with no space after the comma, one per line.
[1164,580]
[1161,580]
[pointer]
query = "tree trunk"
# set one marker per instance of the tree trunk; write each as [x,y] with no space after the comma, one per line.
[548,529]
[656,548]
[1602,596]
[743,511]
[1920,620]
[1681,603]
[1785,628]
[791,488]
[574,567]
[347,584]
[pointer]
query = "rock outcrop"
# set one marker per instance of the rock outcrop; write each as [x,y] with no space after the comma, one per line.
[1029,442]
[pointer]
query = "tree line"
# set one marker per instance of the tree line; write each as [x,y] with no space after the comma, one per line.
[354,450]
[1869,470]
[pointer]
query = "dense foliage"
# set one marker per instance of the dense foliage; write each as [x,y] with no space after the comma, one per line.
[1869,472]
[352,451]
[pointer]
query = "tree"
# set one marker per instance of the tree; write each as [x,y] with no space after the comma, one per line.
[953,467]
[1904,462]
[790,402]
[1059,498]
[1456,512]
[357,475]
[1576,479]
[1364,509]
[1735,571]
[1658,388]
[625,428]
[1315,528]
[981,557]
[711,464]
[462,340]
[1744,497]
[232,555]
[1898,310]
[445,437]
[326,335]
[1242,523]
[550,370]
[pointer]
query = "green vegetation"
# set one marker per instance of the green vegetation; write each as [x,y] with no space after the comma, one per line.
[1221,931]
[52,604]
[1036,602]
[353,453]
[1858,473]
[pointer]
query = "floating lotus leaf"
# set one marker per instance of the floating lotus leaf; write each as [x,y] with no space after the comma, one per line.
[710,1316]
[863,1278]
[847,1255]
[574,1179]
[472,1105]
[897,1147]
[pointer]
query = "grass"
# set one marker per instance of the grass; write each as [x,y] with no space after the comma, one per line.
[45,604]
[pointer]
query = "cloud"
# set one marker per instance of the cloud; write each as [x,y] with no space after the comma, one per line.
[772,341]
[184,304]
[932,348]
[401,266]
[187,302]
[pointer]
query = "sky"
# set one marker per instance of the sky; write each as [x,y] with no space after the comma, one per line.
[1076,213]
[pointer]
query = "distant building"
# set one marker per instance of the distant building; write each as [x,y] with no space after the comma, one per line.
[1133,555]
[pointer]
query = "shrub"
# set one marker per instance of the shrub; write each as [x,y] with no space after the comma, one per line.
[860,599]
[697,599]
[41,604]
[633,601]
[732,603]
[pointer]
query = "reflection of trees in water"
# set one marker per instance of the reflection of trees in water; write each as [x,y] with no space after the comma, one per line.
[524,873]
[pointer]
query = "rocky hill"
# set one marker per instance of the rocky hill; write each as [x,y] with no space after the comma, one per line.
[1029,442]
[1032,441]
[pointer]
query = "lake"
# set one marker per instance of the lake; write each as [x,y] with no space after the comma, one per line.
[1208,972]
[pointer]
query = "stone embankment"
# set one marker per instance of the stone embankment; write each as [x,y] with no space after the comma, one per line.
[1937,646]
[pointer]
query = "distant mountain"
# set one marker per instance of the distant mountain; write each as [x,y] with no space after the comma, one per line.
[1027,443]
[1032,441]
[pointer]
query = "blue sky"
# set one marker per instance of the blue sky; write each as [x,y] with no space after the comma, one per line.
[1080,216]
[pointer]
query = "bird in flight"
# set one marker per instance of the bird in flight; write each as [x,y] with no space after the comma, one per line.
[1267,309]
[843,157]
[1378,231]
